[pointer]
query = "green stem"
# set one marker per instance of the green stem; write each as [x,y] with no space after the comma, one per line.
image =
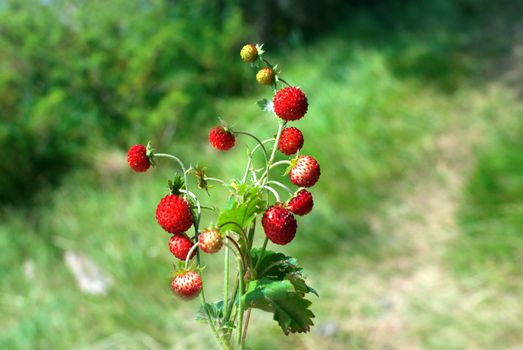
[242,231]
[273,153]
[248,167]
[226,281]
[246,327]
[227,316]
[260,143]
[240,254]
[203,302]
[281,162]
[277,139]
[198,210]
[220,340]
[284,81]
[261,254]
[191,251]
[170,156]
[252,230]
[240,304]
[215,179]
[277,183]
[274,192]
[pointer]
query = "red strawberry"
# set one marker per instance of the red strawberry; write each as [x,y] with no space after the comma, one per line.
[249,53]
[221,138]
[291,141]
[173,214]
[290,103]
[210,241]
[187,285]
[279,224]
[180,245]
[302,203]
[138,159]
[306,171]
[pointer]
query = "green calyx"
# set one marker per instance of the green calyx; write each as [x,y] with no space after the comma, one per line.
[176,184]
[149,152]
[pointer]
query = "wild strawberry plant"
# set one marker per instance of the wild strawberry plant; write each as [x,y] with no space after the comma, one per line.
[264,279]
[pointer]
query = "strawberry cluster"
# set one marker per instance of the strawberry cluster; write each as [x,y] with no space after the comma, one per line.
[234,227]
[289,104]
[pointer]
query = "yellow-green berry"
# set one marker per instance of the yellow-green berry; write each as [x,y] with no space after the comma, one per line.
[249,53]
[265,76]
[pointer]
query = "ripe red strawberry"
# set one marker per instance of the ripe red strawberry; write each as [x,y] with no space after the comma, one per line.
[249,53]
[221,138]
[138,159]
[173,214]
[180,245]
[265,76]
[291,141]
[302,203]
[290,103]
[279,224]
[306,171]
[210,241]
[187,285]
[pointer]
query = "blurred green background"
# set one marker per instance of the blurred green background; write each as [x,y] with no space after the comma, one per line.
[416,116]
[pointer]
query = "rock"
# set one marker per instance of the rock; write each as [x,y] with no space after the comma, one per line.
[88,275]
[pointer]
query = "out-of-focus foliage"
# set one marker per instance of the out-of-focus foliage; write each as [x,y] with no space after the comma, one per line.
[492,214]
[78,73]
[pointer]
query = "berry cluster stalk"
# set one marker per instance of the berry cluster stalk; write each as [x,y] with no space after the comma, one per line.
[264,279]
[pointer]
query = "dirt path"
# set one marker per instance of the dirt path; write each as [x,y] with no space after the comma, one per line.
[423,220]
[385,299]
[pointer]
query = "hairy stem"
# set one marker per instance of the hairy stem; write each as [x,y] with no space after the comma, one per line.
[226,281]
[262,253]
[215,179]
[193,248]
[176,159]
[252,230]
[240,304]
[265,175]
[277,183]
[260,143]
[274,192]
[246,327]
[281,162]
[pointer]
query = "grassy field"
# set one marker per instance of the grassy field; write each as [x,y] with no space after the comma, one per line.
[415,241]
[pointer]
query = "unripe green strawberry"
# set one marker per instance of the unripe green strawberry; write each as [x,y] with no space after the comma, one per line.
[265,76]
[186,284]
[249,53]
[210,241]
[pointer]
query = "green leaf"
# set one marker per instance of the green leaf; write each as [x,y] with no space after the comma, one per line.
[242,211]
[215,310]
[274,265]
[290,309]
[262,103]
[278,266]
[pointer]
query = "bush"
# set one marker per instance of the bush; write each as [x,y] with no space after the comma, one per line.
[78,73]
